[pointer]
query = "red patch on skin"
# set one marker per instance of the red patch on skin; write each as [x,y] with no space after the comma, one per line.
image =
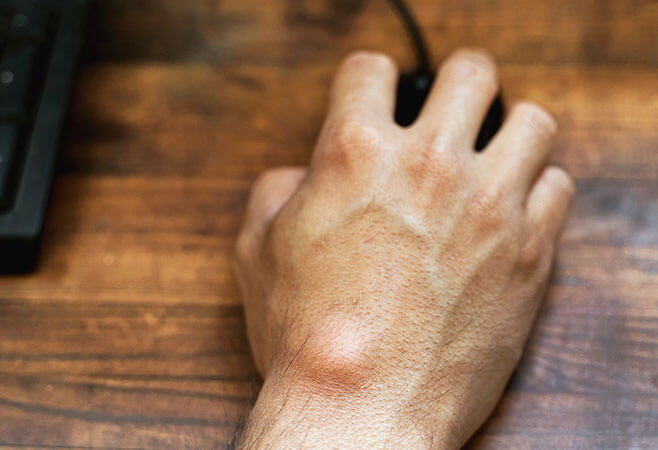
[335,359]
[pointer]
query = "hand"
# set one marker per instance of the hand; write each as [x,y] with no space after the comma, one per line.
[390,287]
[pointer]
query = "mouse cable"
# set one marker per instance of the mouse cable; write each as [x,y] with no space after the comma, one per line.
[415,34]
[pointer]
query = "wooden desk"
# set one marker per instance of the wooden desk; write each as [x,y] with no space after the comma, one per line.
[131,335]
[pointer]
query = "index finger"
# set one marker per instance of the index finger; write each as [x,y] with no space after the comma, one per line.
[365,84]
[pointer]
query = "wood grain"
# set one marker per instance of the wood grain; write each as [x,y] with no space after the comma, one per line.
[130,334]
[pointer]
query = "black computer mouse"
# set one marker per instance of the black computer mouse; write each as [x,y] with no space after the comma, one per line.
[413,89]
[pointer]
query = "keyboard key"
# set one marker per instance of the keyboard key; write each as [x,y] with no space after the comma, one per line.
[29,23]
[17,71]
[9,134]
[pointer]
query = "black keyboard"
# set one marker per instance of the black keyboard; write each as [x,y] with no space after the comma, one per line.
[39,44]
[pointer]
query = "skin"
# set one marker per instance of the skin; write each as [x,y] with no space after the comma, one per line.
[390,286]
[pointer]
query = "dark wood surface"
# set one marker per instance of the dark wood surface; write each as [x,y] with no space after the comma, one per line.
[131,334]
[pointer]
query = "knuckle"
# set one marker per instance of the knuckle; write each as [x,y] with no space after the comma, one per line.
[447,168]
[364,59]
[540,120]
[353,140]
[490,204]
[353,130]
[533,252]
[437,163]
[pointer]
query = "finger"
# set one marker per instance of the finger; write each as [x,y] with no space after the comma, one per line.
[268,195]
[549,200]
[461,96]
[520,149]
[365,85]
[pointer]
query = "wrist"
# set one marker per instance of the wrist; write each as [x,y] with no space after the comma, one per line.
[301,413]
